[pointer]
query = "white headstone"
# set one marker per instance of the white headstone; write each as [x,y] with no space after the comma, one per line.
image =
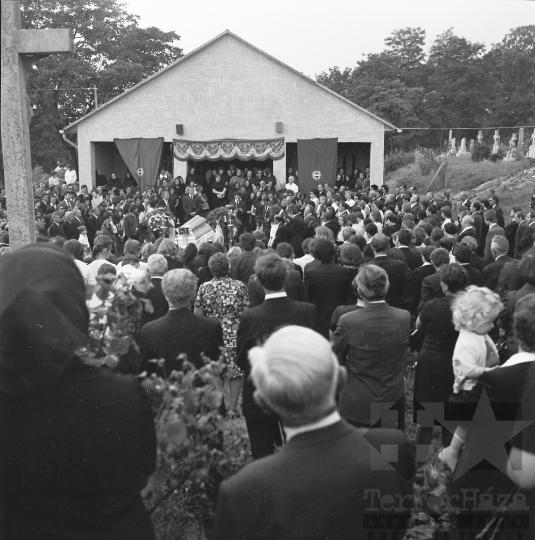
[463,145]
[453,147]
[480,136]
[496,146]
[512,142]
[531,152]
[472,145]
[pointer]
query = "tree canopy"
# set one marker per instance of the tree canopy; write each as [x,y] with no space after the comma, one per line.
[458,84]
[112,53]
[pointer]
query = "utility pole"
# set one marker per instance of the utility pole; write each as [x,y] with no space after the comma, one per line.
[96,96]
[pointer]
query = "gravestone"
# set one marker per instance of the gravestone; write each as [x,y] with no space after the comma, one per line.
[20,48]
[531,152]
[521,137]
[512,142]
[480,137]
[472,145]
[496,146]
[453,148]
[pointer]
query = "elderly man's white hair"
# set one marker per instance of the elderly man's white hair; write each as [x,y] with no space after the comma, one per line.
[466,221]
[179,286]
[296,374]
[157,264]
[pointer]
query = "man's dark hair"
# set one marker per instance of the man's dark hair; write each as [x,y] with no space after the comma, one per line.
[371,229]
[285,250]
[271,271]
[446,243]
[477,205]
[453,276]
[490,215]
[463,253]
[432,209]
[358,240]
[293,209]
[405,237]
[329,215]
[323,250]
[440,256]
[247,241]
[426,252]
[450,228]
[436,235]
[107,268]
[306,245]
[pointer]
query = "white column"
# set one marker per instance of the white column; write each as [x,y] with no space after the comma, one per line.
[180,168]
[377,159]
[279,170]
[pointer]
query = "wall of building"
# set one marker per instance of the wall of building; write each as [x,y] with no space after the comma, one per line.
[230,90]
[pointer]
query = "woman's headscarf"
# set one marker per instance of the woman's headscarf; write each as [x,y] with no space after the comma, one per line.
[43,317]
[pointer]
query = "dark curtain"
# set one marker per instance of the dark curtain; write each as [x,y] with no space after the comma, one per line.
[316,155]
[141,154]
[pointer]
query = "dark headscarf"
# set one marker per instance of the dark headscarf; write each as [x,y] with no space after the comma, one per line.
[43,317]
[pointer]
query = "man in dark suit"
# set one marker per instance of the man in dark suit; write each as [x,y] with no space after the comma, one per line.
[494,230]
[467,228]
[463,255]
[94,224]
[391,226]
[69,227]
[328,285]
[394,269]
[371,342]
[431,287]
[318,485]
[403,240]
[491,273]
[281,232]
[157,267]
[495,202]
[256,325]
[510,230]
[56,228]
[475,212]
[522,222]
[419,274]
[476,261]
[331,222]
[191,204]
[180,331]
[296,230]
[526,242]
[242,267]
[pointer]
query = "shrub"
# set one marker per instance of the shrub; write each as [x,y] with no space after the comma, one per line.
[498,156]
[398,159]
[426,165]
[39,175]
[481,152]
[408,175]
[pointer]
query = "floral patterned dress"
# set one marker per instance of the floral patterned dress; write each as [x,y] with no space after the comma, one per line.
[225,299]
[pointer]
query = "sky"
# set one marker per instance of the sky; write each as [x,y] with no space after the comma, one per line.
[314,35]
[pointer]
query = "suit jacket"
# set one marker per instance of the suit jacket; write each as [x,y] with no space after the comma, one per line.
[191,205]
[180,331]
[328,286]
[431,288]
[478,225]
[56,230]
[159,302]
[396,276]
[473,275]
[131,226]
[478,262]
[314,488]
[521,229]
[282,235]
[296,234]
[491,273]
[256,325]
[71,232]
[371,343]
[242,266]
[412,258]
[526,242]
[93,225]
[293,286]
[334,226]
[468,231]
[494,230]
[419,274]
[499,215]
[510,234]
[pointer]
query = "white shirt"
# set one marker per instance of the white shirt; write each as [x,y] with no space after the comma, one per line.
[304,260]
[293,187]
[96,264]
[87,273]
[272,233]
[519,358]
[329,420]
[97,199]
[281,294]
[70,177]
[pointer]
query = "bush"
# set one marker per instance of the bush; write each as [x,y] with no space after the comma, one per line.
[409,175]
[426,165]
[498,156]
[39,175]
[397,160]
[481,152]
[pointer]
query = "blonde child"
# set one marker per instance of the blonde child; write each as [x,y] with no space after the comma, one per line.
[474,311]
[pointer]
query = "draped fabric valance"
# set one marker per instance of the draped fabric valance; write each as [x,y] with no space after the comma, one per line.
[228,149]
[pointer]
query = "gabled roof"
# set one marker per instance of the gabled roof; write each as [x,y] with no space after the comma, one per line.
[192,53]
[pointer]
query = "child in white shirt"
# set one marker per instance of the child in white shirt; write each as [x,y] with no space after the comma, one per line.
[474,312]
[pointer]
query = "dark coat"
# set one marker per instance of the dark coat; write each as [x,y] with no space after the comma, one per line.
[419,275]
[526,242]
[296,234]
[499,216]
[412,258]
[473,275]
[494,230]
[491,273]
[190,205]
[314,488]
[77,458]
[256,325]
[469,231]
[293,286]
[56,230]
[510,234]
[158,301]
[478,262]
[371,342]
[71,231]
[242,267]
[431,288]
[396,271]
[334,226]
[521,229]
[328,286]
[180,331]
[93,225]
[478,225]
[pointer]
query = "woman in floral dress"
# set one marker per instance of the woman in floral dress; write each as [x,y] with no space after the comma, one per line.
[225,299]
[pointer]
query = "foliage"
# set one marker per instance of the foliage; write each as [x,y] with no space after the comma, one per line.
[190,431]
[398,159]
[497,156]
[111,52]
[425,164]
[481,152]
[115,313]
[409,175]
[459,84]
[39,175]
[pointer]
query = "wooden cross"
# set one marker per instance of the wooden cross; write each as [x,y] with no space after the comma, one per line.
[20,48]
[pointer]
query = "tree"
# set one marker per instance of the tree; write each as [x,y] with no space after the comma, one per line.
[111,52]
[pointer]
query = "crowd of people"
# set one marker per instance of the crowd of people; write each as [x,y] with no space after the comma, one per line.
[315,308]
